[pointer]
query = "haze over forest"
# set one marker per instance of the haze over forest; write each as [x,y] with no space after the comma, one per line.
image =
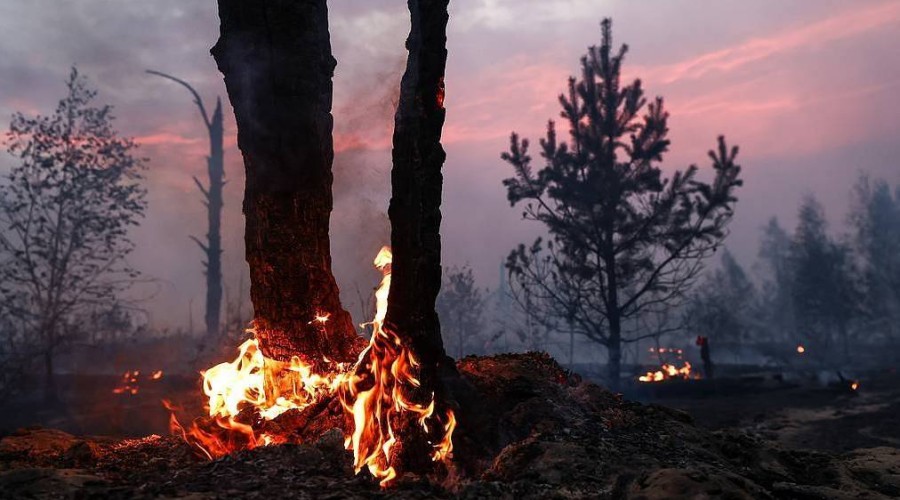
[779,79]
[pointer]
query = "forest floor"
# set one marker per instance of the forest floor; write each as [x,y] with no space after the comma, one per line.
[808,416]
[539,433]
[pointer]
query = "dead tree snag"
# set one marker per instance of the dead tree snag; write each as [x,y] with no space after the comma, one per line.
[212,198]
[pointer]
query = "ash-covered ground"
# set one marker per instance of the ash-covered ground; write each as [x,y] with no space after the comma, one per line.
[533,431]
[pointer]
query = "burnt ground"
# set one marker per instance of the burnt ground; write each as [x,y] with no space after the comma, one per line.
[805,414]
[533,431]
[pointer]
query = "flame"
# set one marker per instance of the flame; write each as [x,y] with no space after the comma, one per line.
[800,349]
[669,370]
[376,394]
[251,389]
[251,386]
[854,385]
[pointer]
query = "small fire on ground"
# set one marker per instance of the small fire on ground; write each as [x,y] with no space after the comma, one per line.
[379,395]
[129,383]
[669,370]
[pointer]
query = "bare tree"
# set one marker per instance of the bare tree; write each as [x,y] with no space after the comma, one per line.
[212,199]
[723,306]
[66,209]
[825,293]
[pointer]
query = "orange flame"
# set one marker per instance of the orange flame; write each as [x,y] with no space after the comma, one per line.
[375,394]
[253,388]
[257,385]
[669,370]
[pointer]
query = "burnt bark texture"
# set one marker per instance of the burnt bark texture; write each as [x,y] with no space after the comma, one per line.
[276,59]
[212,199]
[416,183]
[415,215]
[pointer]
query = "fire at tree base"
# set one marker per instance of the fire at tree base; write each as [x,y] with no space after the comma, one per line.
[536,431]
[248,397]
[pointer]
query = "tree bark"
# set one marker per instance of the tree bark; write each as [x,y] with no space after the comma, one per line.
[416,184]
[415,216]
[614,342]
[276,59]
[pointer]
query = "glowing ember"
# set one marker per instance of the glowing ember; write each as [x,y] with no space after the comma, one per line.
[243,393]
[800,349]
[129,382]
[854,385]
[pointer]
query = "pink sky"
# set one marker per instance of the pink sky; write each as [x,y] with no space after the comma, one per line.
[807,89]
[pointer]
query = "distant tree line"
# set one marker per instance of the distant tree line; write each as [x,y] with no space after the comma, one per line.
[815,289]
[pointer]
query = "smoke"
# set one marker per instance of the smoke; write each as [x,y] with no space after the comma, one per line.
[362,140]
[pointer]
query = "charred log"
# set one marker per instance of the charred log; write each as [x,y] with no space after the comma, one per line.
[276,59]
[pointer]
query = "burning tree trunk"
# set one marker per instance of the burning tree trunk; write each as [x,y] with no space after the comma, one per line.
[276,59]
[212,195]
[416,183]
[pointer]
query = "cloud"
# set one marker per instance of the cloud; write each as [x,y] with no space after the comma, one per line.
[166,139]
[845,24]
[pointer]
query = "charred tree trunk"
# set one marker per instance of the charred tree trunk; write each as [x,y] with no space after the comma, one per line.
[416,183]
[276,59]
[415,214]
[212,198]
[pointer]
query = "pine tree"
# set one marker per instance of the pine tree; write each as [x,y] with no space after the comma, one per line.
[776,300]
[623,239]
[876,220]
[824,295]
